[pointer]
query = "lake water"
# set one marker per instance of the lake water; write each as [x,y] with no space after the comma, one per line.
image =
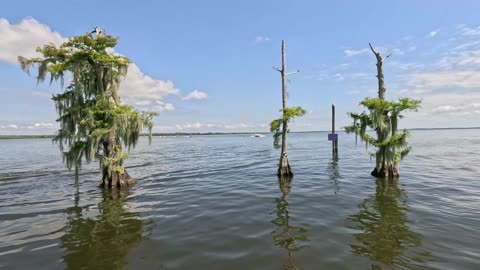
[214,202]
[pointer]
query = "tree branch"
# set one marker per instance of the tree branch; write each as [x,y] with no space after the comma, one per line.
[297,71]
[277,69]
[373,50]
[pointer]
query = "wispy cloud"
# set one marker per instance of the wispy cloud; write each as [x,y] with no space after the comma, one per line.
[352,52]
[212,127]
[353,92]
[28,128]
[196,95]
[433,33]
[447,79]
[428,82]
[161,106]
[261,39]
[469,31]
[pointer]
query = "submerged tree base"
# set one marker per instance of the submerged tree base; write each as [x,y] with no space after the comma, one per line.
[389,172]
[284,169]
[117,180]
[284,184]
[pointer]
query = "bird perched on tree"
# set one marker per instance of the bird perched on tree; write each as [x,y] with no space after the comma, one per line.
[97,30]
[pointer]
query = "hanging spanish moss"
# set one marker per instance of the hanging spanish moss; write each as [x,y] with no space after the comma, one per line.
[382,117]
[94,125]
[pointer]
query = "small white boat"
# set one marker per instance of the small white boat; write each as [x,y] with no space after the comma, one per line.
[258,135]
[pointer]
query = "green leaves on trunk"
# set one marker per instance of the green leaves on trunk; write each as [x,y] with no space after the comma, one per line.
[383,116]
[276,125]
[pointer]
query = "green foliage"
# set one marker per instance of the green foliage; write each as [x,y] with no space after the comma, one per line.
[276,125]
[383,117]
[290,113]
[94,124]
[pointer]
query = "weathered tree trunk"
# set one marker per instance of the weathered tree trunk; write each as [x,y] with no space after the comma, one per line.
[116,179]
[380,77]
[284,169]
[386,170]
[114,174]
[390,171]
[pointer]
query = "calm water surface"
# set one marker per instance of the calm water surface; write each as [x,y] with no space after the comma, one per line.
[214,202]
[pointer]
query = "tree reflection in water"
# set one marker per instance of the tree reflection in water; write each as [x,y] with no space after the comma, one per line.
[334,173]
[291,238]
[386,237]
[102,242]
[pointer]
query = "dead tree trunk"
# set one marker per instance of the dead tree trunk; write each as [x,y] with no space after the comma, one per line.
[380,77]
[284,169]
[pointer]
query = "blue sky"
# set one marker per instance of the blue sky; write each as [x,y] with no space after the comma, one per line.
[207,65]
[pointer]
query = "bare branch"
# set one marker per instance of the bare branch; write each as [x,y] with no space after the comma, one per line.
[277,69]
[297,71]
[371,48]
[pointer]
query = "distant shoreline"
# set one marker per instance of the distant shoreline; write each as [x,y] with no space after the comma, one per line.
[12,137]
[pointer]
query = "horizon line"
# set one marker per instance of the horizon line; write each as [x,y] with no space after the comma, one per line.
[11,136]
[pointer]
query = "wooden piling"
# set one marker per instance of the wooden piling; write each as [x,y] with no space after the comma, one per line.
[334,142]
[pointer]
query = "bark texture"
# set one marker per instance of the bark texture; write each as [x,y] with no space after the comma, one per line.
[284,169]
[381,80]
[116,179]
[390,171]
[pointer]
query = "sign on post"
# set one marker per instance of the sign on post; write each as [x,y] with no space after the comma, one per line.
[332,137]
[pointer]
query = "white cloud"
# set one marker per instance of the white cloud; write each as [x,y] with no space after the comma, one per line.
[381,49]
[433,33]
[38,128]
[261,39]
[40,125]
[196,125]
[139,89]
[428,82]
[196,95]
[446,108]
[22,39]
[406,66]
[136,89]
[469,31]
[460,59]
[163,107]
[351,52]
[217,127]
[451,106]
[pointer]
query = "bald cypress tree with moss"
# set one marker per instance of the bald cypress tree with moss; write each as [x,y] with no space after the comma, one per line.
[382,117]
[94,124]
